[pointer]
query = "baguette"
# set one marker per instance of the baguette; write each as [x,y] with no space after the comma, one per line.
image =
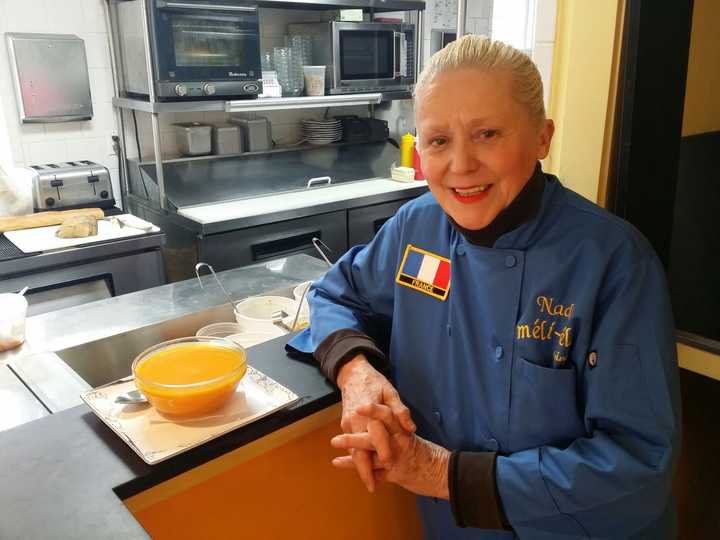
[45,219]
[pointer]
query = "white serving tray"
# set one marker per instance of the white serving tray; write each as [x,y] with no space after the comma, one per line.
[44,239]
[156,438]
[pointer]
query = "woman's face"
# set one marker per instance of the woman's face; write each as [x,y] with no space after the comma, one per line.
[478,146]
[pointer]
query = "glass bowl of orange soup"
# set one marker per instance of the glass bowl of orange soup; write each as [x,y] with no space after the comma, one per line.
[189,376]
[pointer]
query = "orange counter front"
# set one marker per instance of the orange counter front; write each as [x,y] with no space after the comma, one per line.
[279,487]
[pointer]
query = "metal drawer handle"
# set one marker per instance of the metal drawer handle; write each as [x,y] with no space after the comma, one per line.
[182,5]
[319,180]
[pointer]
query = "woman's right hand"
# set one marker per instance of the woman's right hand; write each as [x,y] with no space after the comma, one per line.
[361,384]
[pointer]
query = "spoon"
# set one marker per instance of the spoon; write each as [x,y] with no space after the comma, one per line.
[131,397]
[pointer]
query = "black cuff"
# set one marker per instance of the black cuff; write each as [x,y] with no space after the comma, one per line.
[342,346]
[474,497]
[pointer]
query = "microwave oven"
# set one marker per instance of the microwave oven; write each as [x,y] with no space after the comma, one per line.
[197,48]
[362,57]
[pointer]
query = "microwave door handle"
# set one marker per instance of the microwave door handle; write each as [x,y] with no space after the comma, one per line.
[397,47]
[183,5]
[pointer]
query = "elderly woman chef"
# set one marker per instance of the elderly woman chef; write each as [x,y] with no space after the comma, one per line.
[527,332]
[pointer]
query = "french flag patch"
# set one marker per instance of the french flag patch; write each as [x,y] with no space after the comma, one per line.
[425,272]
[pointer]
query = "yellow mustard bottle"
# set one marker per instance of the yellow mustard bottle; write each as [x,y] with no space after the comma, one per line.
[407,146]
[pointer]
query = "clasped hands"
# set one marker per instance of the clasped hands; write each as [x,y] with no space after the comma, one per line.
[380,438]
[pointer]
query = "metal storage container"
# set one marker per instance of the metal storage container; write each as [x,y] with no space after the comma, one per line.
[226,139]
[193,138]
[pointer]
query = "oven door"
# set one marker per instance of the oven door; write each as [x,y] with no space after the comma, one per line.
[368,55]
[205,41]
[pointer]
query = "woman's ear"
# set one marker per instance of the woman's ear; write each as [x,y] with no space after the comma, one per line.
[545,137]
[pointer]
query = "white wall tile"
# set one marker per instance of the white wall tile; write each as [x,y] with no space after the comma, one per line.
[101,85]
[93,14]
[26,16]
[30,132]
[102,123]
[18,154]
[3,16]
[66,14]
[65,130]
[479,8]
[97,49]
[167,120]
[215,117]
[45,152]
[93,149]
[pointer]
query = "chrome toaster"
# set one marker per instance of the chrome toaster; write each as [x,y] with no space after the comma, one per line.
[73,184]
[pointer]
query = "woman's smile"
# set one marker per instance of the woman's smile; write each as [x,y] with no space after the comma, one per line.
[473,194]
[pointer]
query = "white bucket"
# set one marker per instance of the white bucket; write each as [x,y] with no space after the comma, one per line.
[255,314]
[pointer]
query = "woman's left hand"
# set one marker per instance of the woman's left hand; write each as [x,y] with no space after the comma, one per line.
[400,457]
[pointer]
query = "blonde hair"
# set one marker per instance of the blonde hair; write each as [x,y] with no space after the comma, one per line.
[482,53]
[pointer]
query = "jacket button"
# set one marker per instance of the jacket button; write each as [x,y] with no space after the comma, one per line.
[493,445]
[510,261]
[460,250]
[438,416]
[499,352]
[592,359]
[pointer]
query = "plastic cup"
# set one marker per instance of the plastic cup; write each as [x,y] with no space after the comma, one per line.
[13,310]
[314,80]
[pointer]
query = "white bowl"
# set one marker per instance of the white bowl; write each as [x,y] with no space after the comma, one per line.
[255,314]
[249,339]
[221,329]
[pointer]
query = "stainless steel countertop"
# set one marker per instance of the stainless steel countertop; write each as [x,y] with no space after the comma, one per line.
[35,361]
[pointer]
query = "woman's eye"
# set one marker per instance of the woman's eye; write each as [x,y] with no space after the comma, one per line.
[438,141]
[487,134]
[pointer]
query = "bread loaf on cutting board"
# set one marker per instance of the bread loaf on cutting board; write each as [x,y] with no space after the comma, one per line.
[78,227]
[45,219]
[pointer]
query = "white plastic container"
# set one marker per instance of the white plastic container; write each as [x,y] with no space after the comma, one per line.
[239,334]
[314,80]
[255,314]
[13,310]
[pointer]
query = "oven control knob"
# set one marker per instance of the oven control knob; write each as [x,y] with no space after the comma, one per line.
[104,194]
[181,90]
[50,201]
[251,87]
[209,89]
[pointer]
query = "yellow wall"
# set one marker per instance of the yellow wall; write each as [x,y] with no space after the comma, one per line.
[702,95]
[702,114]
[580,90]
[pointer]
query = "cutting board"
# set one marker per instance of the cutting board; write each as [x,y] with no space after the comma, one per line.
[44,239]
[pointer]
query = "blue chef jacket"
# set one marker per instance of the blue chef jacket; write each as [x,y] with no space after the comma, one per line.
[554,348]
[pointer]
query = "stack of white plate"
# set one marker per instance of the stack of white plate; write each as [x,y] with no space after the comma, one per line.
[322,131]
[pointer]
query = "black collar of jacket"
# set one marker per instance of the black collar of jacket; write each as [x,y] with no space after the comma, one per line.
[522,209]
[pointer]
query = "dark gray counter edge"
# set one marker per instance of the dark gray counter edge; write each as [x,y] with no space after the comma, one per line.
[87,252]
[64,476]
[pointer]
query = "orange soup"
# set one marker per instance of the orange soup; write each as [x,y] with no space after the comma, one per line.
[213,371]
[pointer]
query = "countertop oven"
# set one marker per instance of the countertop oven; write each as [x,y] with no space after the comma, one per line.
[198,49]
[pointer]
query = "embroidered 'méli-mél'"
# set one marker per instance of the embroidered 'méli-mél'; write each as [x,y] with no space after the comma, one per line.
[425,272]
